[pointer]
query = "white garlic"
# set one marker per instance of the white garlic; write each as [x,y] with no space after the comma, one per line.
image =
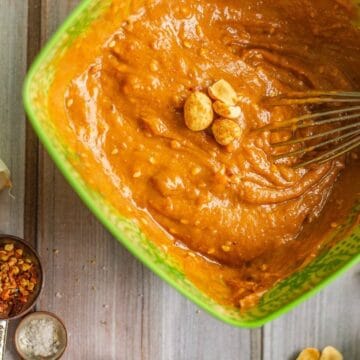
[4,176]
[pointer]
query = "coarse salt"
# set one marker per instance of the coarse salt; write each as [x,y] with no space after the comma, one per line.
[39,338]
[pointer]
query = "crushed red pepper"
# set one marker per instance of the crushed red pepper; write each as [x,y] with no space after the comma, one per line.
[18,278]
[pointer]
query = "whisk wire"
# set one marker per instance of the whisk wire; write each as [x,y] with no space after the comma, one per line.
[316,136]
[314,97]
[343,137]
[345,148]
[317,146]
[302,120]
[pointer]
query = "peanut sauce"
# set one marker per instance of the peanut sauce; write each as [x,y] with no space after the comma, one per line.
[236,221]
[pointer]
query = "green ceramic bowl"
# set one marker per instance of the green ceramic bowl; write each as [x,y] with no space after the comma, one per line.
[280,299]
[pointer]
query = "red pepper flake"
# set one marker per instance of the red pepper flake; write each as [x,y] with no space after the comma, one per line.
[18,278]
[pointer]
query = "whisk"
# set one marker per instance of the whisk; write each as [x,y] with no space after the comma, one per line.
[334,130]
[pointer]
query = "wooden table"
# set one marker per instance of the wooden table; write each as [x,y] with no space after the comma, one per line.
[114,307]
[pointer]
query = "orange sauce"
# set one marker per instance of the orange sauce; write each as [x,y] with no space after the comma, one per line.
[235,220]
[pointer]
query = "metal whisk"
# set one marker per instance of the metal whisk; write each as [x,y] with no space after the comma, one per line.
[319,136]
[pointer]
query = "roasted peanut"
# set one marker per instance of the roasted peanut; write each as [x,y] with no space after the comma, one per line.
[226,111]
[226,131]
[330,353]
[309,354]
[225,248]
[224,92]
[198,111]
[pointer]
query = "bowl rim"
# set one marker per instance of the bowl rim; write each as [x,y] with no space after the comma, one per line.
[32,249]
[36,313]
[66,168]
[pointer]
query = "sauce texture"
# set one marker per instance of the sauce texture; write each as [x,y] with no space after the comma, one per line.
[237,221]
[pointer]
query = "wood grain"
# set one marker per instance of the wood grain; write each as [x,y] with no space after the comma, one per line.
[113,307]
[31,141]
[13,43]
[13,30]
[330,318]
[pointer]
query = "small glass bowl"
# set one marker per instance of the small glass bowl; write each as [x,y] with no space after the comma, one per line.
[62,333]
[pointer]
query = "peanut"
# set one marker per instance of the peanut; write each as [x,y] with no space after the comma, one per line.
[225,248]
[309,354]
[226,131]
[330,353]
[224,92]
[226,111]
[198,111]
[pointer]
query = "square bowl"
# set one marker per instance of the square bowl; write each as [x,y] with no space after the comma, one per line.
[282,297]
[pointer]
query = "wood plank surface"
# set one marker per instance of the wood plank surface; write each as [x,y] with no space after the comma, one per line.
[330,318]
[113,307]
[31,141]
[13,52]
[13,30]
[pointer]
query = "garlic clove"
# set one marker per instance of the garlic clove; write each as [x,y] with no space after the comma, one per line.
[4,176]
